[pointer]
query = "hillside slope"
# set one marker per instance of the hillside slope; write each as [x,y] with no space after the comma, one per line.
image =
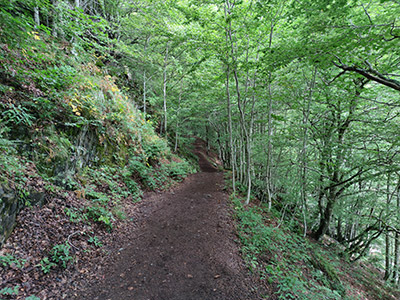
[75,154]
[295,267]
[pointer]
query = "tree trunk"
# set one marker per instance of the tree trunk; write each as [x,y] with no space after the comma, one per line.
[54,32]
[388,266]
[145,81]
[396,257]
[306,114]
[177,119]
[387,256]
[37,17]
[396,265]
[228,104]
[269,146]
[144,94]
[327,214]
[165,89]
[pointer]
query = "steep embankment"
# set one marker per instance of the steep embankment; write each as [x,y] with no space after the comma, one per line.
[75,154]
[184,247]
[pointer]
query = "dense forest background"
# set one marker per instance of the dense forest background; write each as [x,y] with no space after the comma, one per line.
[300,99]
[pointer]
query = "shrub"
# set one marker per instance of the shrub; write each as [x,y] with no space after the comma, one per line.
[177,170]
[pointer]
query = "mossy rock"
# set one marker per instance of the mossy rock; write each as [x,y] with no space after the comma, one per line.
[9,208]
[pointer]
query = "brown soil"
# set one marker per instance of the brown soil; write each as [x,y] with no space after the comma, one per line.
[183,248]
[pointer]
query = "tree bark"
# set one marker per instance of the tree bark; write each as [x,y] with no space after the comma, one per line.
[228,104]
[145,81]
[371,75]
[387,235]
[396,263]
[306,114]
[269,146]
[165,89]
[37,17]
[327,214]
[239,99]
[177,119]
[387,257]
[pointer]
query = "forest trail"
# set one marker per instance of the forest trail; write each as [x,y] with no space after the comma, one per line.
[182,249]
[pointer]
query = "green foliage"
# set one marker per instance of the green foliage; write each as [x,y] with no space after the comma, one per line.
[60,254]
[9,260]
[96,197]
[45,108]
[7,291]
[32,298]
[95,241]
[132,186]
[75,215]
[312,103]
[15,25]
[143,171]
[16,115]
[155,149]
[111,178]
[101,215]
[287,255]
[177,170]
[46,265]
[56,77]
[66,180]
[12,170]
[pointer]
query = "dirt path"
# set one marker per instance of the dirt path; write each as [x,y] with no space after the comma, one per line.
[183,249]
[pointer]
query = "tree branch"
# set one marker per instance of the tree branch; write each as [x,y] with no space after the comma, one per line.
[370,74]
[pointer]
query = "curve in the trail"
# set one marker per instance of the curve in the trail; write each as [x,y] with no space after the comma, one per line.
[184,250]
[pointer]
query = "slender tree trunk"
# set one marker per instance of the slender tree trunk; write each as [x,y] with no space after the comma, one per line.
[387,256]
[239,103]
[165,89]
[37,17]
[306,114]
[396,264]
[388,266]
[228,104]
[229,109]
[145,82]
[270,131]
[337,158]
[177,119]
[339,230]
[251,128]
[144,93]
[396,256]
[54,32]
[269,146]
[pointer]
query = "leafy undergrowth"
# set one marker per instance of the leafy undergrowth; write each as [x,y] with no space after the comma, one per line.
[298,268]
[57,248]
